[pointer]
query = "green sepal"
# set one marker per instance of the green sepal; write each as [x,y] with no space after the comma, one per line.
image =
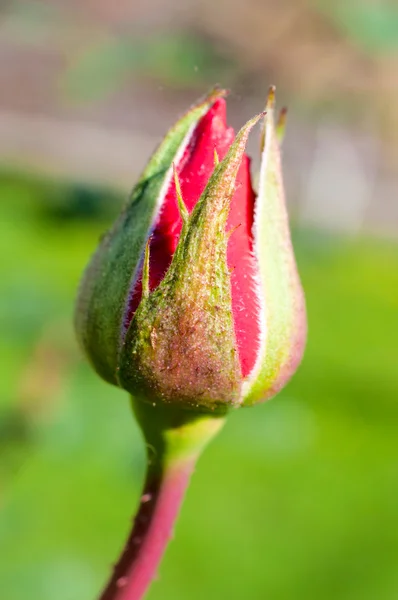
[108,281]
[180,347]
[281,298]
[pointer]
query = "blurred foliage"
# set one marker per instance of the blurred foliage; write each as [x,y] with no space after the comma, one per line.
[172,60]
[327,57]
[373,26]
[30,22]
[295,499]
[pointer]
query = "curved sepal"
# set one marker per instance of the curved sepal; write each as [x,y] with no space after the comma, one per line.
[282,308]
[180,347]
[110,277]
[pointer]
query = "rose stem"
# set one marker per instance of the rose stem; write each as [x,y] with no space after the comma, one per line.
[174,439]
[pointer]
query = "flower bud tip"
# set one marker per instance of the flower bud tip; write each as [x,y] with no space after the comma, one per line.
[216,93]
[271,98]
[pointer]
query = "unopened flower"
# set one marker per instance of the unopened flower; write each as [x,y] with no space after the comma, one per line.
[192,303]
[193,297]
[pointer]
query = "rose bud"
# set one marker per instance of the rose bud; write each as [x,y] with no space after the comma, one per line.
[192,303]
[193,297]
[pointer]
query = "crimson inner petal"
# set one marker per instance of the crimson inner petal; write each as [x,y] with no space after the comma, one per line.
[194,170]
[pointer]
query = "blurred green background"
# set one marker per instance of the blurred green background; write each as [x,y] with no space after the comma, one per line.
[296,498]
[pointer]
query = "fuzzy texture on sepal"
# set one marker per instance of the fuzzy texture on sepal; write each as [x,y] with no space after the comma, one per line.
[180,347]
[193,297]
[106,288]
[280,295]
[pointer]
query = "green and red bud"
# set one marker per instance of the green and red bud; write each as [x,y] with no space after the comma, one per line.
[193,297]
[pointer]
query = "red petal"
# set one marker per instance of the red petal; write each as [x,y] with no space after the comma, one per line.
[194,170]
[245,306]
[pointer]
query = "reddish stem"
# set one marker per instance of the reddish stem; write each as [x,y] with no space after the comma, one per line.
[175,438]
[152,529]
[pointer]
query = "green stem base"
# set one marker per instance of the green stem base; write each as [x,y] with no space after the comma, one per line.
[175,439]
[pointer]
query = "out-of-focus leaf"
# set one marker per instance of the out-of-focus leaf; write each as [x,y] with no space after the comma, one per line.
[371,25]
[294,499]
[171,59]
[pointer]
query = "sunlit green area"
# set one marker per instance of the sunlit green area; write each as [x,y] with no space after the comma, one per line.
[295,499]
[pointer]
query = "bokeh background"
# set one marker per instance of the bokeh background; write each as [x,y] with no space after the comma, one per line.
[296,498]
